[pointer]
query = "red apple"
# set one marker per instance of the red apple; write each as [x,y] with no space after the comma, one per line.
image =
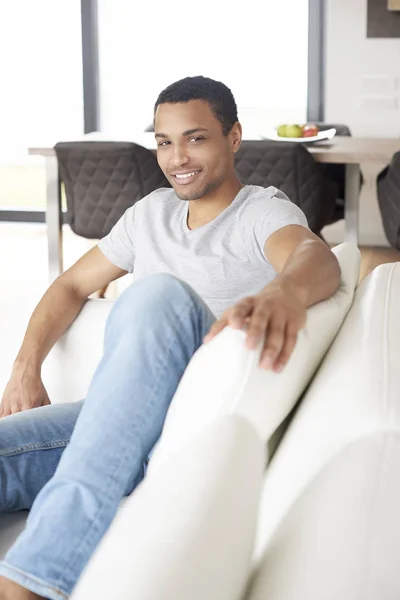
[310,130]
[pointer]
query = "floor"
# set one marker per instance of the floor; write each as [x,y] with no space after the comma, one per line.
[23,276]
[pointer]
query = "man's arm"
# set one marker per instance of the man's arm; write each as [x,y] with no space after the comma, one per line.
[57,309]
[307,272]
[305,262]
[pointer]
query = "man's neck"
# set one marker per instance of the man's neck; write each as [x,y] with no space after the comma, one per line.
[206,209]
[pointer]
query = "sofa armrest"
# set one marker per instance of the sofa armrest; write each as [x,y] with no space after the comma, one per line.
[187,531]
[224,377]
[69,368]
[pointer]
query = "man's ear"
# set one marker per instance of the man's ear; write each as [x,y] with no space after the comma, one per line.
[236,136]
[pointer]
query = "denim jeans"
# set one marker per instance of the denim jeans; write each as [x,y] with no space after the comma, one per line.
[71,464]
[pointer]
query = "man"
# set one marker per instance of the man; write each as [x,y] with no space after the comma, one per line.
[205,254]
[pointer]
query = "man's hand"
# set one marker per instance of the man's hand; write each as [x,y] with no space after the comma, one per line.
[24,390]
[276,314]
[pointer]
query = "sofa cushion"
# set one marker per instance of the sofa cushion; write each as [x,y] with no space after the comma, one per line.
[187,532]
[70,366]
[224,377]
[329,523]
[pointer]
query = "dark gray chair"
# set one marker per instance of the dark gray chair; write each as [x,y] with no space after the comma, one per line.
[388,188]
[334,172]
[291,168]
[102,180]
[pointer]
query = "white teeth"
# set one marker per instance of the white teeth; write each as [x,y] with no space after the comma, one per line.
[186,175]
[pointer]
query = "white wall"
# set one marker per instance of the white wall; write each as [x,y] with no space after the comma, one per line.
[259,49]
[362,75]
[362,89]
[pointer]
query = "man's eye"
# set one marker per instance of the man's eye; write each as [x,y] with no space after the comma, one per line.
[196,139]
[163,144]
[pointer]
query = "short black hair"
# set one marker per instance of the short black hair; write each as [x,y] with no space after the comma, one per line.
[216,93]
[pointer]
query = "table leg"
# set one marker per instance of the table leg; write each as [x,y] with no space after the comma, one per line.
[351,200]
[54,218]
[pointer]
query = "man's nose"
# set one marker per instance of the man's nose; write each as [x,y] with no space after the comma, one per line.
[180,156]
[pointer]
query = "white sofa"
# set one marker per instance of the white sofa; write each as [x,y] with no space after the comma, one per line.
[210,521]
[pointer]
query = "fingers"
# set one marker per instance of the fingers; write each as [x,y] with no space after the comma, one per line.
[4,412]
[215,329]
[290,340]
[257,327]
[273,343]
[279,330]
[279,344]
[238,314]
[236,317]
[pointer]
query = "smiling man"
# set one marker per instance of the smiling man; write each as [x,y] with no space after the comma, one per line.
[206,253]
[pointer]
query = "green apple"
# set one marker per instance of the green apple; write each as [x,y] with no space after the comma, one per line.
[294,131]
[281,131]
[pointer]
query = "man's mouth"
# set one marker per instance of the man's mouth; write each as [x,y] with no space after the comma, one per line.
[183,178]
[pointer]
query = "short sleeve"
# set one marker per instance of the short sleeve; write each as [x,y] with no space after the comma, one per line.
[118,245]
[269,213]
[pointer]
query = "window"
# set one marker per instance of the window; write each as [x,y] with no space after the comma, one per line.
[259,49]
[42,96]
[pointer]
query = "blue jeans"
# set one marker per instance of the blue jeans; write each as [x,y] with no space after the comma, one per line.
[71,464]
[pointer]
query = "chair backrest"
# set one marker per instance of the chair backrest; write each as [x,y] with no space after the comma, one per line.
[292,169]
[389,200]
[336,172]
[341,129]
[102,180]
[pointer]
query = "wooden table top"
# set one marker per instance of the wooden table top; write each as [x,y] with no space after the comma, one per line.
[340,149]
[343,149]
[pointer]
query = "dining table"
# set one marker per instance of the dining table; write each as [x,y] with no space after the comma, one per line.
[349,151]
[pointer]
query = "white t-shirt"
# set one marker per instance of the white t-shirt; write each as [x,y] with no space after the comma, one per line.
[223,261]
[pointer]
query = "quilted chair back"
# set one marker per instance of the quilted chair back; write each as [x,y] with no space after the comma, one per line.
[341,128]
[389,200]
[102,180]
[336,172]
[292,169]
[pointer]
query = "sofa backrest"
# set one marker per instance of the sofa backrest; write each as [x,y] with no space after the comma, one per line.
[329,523]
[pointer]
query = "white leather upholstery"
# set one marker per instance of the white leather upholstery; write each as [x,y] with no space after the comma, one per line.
[328,525]
[330,519]
[70,366]
[188,530]
[224,377]
[66,374]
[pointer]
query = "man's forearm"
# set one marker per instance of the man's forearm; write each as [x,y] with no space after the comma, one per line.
[54,313]
[312,271]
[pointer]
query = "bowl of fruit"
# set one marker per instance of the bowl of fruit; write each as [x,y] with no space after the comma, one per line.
[299,133]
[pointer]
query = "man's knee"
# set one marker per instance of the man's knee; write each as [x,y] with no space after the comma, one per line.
[151,298]
[159,288]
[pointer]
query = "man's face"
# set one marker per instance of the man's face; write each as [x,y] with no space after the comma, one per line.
[192,150]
